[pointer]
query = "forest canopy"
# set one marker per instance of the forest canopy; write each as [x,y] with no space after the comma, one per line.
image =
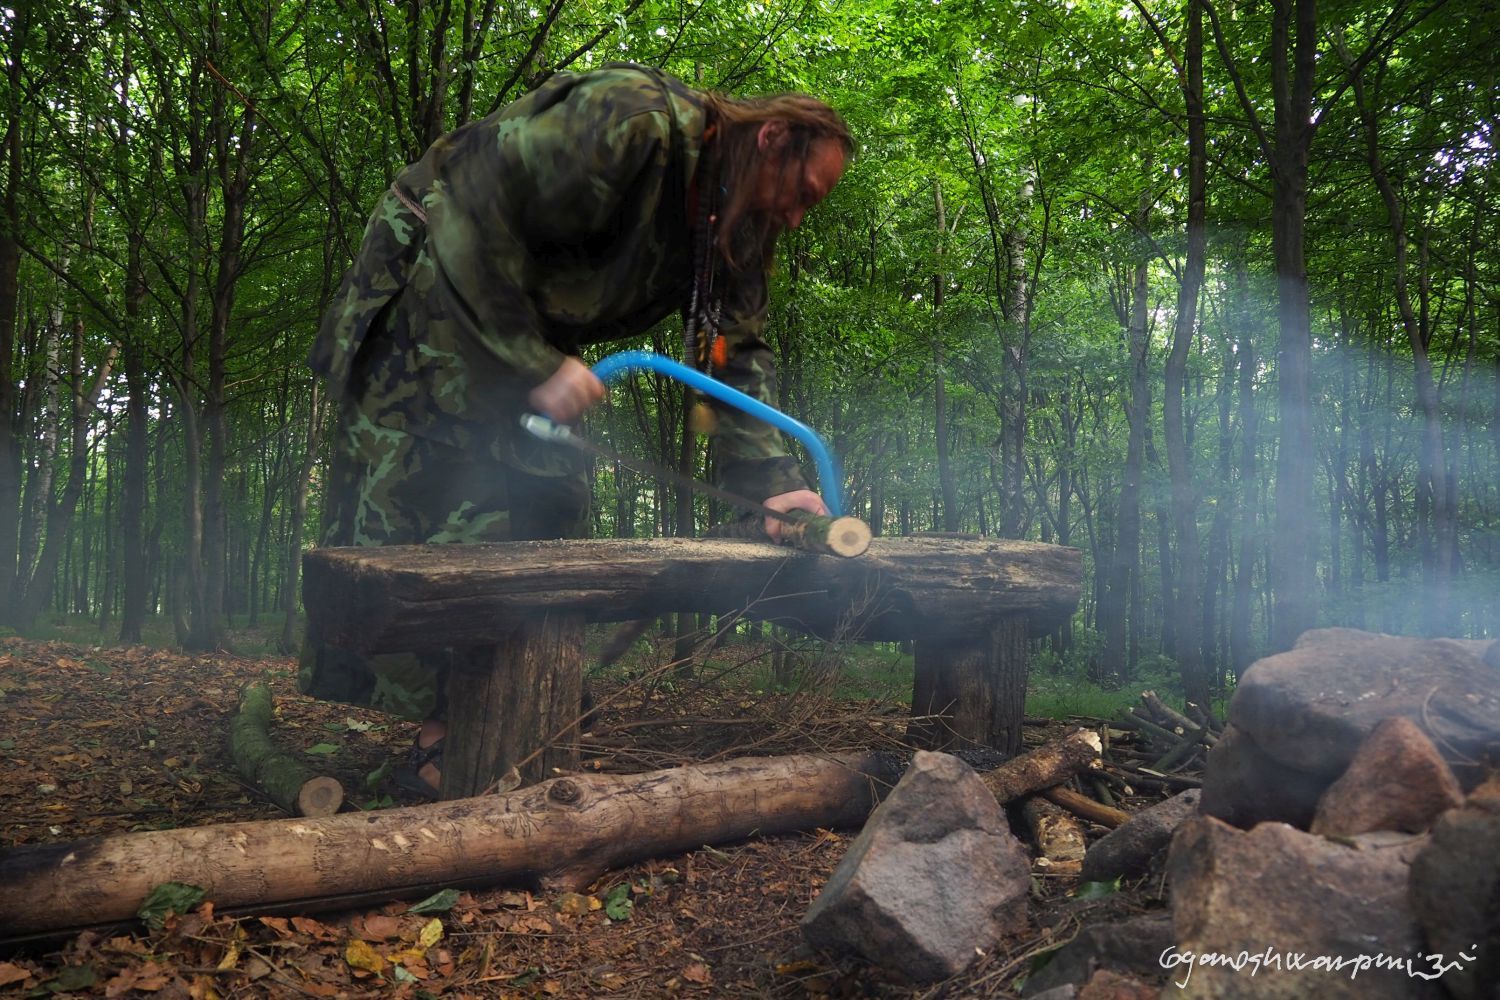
[1207,289]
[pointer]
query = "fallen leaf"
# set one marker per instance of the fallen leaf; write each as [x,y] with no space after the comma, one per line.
[11,974]
[309,926]
[379,927]
[572,903]
[698,973]
[432,933]
[279,925]
[360,955]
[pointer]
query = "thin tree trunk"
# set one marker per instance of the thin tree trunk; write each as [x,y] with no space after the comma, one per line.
[1115,659]
[940,390]
[60,514]
[1185,607]
[36,499]
[1433,514]
[1240,650]
[10,267]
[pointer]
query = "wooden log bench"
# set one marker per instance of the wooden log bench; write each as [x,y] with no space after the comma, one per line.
[517,610]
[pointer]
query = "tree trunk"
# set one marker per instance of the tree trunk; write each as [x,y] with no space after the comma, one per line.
[1115,659]
[10,268]
[60,514]
[36,501]
[232,153]
[1433,513]
[1241,653]
[289,631]
[940,388]
[1293,543]
[1185,608]
[137,420]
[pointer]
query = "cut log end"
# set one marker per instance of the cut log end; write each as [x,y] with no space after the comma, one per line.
[837,536]
[848,537]
[322,796]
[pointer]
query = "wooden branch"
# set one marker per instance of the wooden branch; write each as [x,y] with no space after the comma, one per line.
[394,598]
[1175,720]
[833,536]
[1047,765]
[1058,836]
[1082,805]
[289,783]
[562,833]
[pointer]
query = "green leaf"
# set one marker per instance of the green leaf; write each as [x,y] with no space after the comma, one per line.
[1096,890]
[402,976]
[169,897]
[439,902]
[322,748]
[617,904]
[71,979]
[355,726]
[7,744]
[375,777]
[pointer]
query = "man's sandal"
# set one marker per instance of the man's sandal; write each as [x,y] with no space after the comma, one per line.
[408,774]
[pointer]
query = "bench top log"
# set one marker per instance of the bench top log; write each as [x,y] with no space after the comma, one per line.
[405,597]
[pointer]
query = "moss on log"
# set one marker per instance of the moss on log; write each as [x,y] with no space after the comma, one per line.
[287,781]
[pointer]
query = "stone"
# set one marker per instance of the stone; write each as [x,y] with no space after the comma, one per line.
[1128,850]
[1298,717]
[1455,893]
[1109,985]
[1397,781]
[1264,896]
[934,880]
[1244,785]
[1131,945]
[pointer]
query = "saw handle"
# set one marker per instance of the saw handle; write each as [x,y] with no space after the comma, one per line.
[829,479]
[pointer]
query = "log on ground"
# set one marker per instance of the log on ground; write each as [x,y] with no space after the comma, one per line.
[289,783]
[561,834]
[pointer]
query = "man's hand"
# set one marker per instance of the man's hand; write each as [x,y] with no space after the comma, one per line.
[796,500]
[567,393]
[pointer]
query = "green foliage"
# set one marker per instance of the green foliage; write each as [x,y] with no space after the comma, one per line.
[167,898]
[1054,135]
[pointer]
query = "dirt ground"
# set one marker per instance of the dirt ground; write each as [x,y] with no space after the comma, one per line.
[103,741]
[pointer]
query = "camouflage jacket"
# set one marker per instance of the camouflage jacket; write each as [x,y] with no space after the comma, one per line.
[559,220]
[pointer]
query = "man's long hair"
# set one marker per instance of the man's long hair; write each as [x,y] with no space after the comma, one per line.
[737,122]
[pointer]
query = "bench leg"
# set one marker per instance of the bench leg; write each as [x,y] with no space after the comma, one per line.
[523,694]
[974,687]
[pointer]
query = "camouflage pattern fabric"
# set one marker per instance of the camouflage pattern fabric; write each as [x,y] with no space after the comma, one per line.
[558,221]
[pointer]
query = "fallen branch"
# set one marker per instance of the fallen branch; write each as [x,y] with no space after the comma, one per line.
[289,783]
[1047,765]
[1082,805]
[1058,836]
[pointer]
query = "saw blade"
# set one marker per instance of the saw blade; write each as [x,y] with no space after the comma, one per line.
[548,430]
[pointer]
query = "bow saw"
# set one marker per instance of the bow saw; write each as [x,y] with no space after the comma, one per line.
[835,534]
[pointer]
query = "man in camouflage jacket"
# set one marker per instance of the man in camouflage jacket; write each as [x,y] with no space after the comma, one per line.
[578,214]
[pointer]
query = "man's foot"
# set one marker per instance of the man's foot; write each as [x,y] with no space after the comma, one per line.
[422,771]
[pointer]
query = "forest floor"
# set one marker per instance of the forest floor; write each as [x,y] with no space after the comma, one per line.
[100,740]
